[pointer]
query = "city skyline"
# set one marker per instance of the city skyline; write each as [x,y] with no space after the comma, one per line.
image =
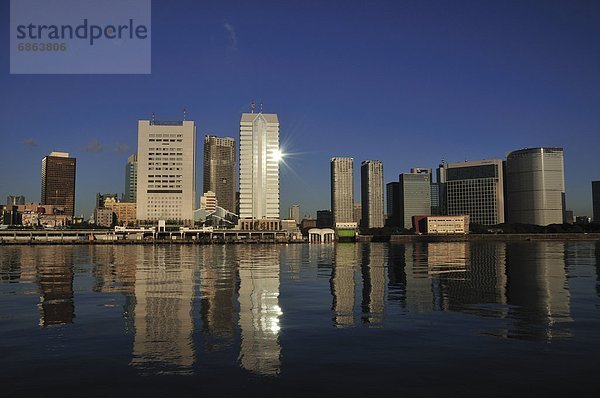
[466,96]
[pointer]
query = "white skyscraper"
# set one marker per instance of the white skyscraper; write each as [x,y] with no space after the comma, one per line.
[259,166]
[536,186]
[166,181]
[371,181]
[342,190]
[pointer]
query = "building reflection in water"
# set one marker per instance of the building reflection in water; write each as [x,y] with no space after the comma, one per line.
[537,290]
[397,275]
[258,297]
[373,277]
[55,279]
[164,290]
[342,283]
[114,269]
[447,258]
[217,303]
[480,289]
[419,291]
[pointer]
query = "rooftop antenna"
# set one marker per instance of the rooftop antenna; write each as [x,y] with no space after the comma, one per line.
[252,105]
[152,118]
[260,106]
[184,112]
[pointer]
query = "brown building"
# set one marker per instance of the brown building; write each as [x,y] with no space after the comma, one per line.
[58,181]
[219,170]
[125,212]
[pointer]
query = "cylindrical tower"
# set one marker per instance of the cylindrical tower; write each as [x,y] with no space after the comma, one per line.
[536,186]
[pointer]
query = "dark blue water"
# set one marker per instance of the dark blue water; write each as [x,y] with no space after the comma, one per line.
[476,319]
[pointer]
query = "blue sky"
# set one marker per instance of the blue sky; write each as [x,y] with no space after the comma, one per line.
[406,82]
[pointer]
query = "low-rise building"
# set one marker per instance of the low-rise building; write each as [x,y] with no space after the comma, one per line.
[43,215]
[441,225]
[125,212]
[306,224]
[264,224]
[346,231]
[104,217]
[448,225]
[9,215]
[291,228]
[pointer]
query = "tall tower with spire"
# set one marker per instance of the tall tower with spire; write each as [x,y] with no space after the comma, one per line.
[259,165]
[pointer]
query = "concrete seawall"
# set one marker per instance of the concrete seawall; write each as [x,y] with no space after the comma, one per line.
[7,238]
[491,237]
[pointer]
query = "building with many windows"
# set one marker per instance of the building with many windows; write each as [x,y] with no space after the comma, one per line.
[125,212]
[357,214]
[474,188]
[104,217]
[342,190]
[219,170]
[371,183]
[131,178]
[324,219]
[58,181]
[535,180]
[166,170]
[259,166]
[392,199]
[414,191]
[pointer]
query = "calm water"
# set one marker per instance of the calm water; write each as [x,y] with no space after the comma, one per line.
[487,319]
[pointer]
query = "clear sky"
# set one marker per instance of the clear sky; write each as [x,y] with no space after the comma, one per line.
[406,82]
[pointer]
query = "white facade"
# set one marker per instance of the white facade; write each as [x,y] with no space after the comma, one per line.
[371,181]
[342,190]
[536,186]
[259,166]
[166,181]
[447,225]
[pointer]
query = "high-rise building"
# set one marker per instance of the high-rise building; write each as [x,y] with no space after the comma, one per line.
[259,166]
[371,184]
[596,200]
[392,196]
[219,169]
[166,181]
[58,181]
[131,178]
[474,188]
[342,190]
[13,200]
[414,192]
[357,213]
[535,181]
[294,213]
[324,219]
[435,199]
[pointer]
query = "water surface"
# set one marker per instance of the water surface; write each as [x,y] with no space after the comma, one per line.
[480,318]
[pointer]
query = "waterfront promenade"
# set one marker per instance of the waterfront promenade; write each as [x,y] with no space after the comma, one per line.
[91,236]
